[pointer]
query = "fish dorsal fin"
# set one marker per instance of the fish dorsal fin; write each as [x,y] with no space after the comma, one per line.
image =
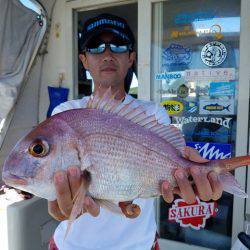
[138,114]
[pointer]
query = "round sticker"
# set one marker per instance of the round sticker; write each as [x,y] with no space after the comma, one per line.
[182,91]
[214,53]
[172,107]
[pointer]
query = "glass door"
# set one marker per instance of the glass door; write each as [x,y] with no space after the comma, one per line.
[195,76]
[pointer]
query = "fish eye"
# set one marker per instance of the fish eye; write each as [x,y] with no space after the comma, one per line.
[39,148]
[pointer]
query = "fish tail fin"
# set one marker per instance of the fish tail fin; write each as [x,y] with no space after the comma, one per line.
[77,207]
[231,185]
[226,165]
[227,107]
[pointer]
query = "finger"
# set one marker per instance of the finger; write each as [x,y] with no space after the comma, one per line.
[202,183]
[63,192]
[55,211]
[193,155]
[74,177]
[184,185]
[167,192]
[216,185]
[92,207]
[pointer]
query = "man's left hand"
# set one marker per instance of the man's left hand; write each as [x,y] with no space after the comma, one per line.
[205,185]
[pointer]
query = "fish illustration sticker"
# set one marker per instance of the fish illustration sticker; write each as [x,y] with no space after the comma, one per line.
[176,54]
[214,53]
[192,215]
[172,107]
[216,106]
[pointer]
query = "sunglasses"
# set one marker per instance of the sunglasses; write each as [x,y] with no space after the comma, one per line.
[114,46]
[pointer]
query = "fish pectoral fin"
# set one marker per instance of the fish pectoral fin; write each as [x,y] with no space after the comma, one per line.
[193,155]
[109,205]
[129,209]
[77,205]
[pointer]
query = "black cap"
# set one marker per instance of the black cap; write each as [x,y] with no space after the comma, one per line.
[116,25]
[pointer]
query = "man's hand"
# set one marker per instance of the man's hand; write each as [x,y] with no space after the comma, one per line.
[66,185]
[206,186]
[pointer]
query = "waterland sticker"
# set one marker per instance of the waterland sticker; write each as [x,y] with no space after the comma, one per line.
[223,121]
[214,53]
[216,106]
[212,151]
[176,54]
[192,215]
[172,107]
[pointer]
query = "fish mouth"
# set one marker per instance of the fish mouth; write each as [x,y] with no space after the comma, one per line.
[12,179]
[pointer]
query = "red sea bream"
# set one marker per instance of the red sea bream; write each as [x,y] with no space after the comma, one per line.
[125,153]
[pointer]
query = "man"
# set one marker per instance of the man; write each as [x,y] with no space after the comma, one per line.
[108,53]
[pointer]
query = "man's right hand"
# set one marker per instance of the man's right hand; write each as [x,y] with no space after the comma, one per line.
[67,185]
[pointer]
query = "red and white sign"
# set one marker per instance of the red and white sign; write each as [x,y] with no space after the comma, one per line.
[192,215]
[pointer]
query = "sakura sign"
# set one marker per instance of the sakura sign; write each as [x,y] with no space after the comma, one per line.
[192,215]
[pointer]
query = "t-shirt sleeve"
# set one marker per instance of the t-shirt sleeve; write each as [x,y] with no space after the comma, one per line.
[162,115]
[73,104]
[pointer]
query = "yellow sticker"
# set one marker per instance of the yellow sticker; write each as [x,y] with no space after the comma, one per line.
[172,107]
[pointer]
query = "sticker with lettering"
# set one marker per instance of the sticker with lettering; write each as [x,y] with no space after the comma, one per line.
[216,106]
[192,215]
[172,107]
[169,75]
[212,75]
[212,151]
[215,31]
[176,54]
[222,89]
[223,121]
[214,53]
[189,17]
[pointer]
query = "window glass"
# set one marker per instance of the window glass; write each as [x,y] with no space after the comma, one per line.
[194,75]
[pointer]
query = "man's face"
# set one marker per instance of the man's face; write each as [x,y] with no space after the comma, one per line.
[108,68]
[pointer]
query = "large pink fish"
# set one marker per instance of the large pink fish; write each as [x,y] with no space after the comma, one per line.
[125,154]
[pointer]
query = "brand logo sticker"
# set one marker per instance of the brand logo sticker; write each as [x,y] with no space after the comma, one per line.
[192,215]
[216,106]
[214,53]
[212,151]
[223,121]
[222,89]
[182,91]
[172,107]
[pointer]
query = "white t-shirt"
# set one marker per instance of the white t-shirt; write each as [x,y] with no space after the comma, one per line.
[110,231]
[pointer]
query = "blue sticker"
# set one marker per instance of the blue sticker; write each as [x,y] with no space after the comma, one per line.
[168,75]
[191,107]
[175,55]
[222,89]
[212,151]
[186,18]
